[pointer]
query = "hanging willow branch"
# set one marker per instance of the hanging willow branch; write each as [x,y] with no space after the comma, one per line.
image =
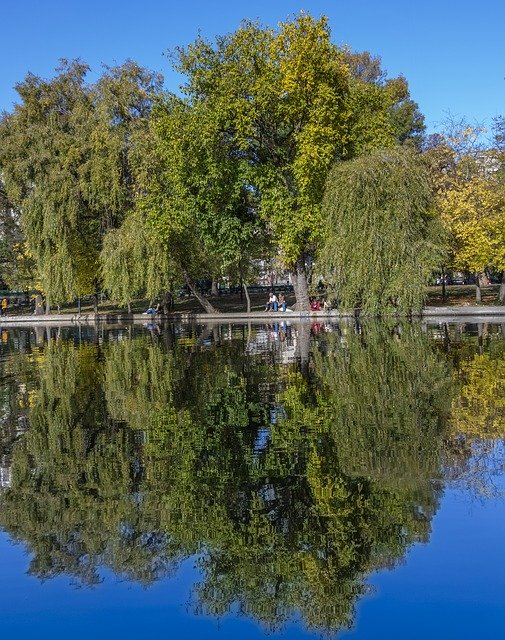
[382,241]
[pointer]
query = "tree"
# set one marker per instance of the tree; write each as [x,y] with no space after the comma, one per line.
[17,267]
[281,108]
[474,212]
[468,179]
[381,238]
[134,261]
[66,158]
[382,112]
[197,201]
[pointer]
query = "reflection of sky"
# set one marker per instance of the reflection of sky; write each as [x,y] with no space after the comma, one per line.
[452,587]
[261,440]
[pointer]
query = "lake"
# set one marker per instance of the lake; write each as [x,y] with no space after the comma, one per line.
[290,480]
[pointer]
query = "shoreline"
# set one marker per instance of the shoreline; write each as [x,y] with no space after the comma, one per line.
[437,314]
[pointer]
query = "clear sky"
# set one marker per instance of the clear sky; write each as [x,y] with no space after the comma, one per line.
[450,51]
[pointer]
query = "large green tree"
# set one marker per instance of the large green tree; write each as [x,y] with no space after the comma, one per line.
[66,156]
[263,116]
[17,267]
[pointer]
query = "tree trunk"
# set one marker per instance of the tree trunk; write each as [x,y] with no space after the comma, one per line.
[478,290]
[244,286]
[95,303]
[501,293]
[300,284]
[201,299]
[303,348]
[214,291]
[167,303]
[39,305]
[480,333]
[129,307]
[443,284]
[48,307]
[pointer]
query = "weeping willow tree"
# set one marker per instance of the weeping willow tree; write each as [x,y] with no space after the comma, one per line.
[134,262]
[75,474]
[67,158]
[382,240]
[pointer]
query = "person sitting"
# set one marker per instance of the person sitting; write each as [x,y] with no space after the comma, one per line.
[282,302]
[272,303]
[315,305]
[327,305]
[152,311]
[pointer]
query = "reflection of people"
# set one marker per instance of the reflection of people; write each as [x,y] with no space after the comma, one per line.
[282,302]
[271,305]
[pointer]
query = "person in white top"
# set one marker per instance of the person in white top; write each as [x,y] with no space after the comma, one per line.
[272,303]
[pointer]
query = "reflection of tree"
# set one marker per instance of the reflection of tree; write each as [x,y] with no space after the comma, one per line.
[74,477]
[291,485]
[479,409]
[386,395]
[474,450]
[345,485]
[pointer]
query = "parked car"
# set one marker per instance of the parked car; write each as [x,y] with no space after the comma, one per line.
[458,278]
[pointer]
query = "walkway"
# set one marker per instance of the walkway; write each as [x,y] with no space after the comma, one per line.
[436,314]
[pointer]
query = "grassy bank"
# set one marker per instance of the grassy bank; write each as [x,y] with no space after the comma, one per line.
[455,295]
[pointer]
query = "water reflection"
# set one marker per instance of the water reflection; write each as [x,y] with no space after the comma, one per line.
[291,461]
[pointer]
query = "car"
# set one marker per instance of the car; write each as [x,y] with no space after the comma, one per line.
[458,278]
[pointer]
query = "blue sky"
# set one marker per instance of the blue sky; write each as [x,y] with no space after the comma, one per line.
[451,52]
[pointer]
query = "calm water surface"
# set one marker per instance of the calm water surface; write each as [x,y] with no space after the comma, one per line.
[243,481]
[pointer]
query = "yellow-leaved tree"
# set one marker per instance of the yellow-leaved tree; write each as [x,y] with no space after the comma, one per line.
[473,211]
[468,179]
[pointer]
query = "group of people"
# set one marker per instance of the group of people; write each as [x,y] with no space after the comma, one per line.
[317,305]
[276,303]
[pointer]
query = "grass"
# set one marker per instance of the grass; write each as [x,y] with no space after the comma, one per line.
[456,295]
[461,295]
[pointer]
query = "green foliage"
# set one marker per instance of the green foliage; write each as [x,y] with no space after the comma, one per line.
[134,261]
[399,451]
[17,267]
[197,202]
[233,170]
[265,114]
[66,157]
[139,456]
[279,100]
[382,112]
[381,239]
